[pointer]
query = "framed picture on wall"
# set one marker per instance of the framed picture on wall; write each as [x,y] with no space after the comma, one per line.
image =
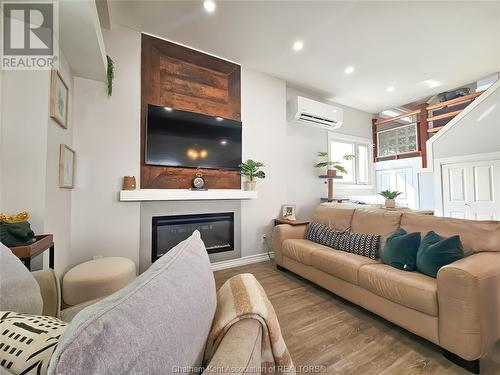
[66,167]
[59,97]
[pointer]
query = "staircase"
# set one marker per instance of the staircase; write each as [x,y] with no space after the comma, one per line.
[416,128]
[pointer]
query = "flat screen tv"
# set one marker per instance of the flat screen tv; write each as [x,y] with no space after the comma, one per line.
[177,138]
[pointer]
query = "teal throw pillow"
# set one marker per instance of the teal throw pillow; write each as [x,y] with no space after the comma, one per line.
[400,250]
[436,251]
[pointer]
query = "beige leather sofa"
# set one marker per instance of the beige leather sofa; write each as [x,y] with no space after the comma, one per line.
[459,310]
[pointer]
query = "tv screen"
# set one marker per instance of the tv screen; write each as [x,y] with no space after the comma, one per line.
[185,139]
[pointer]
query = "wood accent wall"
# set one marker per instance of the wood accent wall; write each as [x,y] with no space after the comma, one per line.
[181,78]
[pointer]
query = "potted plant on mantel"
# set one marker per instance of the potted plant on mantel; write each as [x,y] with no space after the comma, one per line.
[390,197]
[251,170]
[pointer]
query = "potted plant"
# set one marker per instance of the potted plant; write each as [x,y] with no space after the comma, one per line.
[332,167]
[252,170]
[390,197]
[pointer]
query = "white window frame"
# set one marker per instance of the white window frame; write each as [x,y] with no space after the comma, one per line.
[356,141]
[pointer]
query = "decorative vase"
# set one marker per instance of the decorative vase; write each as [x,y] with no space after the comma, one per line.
[390,203]
[129,183]
[249,185]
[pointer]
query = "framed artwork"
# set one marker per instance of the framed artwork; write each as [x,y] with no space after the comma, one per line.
[59,96]
[288,211]
[66,167]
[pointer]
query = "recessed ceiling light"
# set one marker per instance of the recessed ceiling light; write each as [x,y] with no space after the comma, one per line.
[349,69]
[431,83]
[298,45]
[223,142]
[390,88]
[168,109]
[209,6]
[219,118]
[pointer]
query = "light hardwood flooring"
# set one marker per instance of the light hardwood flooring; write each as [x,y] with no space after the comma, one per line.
[323,329]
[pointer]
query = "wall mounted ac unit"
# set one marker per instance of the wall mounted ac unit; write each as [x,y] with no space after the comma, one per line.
[311,113]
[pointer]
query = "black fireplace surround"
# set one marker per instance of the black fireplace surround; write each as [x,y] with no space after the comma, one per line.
[217,232]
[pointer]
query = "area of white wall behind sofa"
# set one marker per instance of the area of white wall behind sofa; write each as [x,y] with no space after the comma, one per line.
[301,146]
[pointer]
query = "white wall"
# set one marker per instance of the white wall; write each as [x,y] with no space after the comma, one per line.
[57,200]
[30,155]
[264,139]
[107,143]
[477,132]
[302,144]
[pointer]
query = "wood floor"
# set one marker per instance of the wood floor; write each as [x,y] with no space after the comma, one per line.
[325,330]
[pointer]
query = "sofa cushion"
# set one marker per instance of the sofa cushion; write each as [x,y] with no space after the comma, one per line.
[300,250]
[337,218]
[157,323]
[376,221]
[400,250]
[15,277]
[361,244]
[340,264]
[27,342]
[436,252]
[475,235]
[410,289]
[324,235]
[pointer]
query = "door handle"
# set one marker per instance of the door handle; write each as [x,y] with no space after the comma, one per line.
[468,205]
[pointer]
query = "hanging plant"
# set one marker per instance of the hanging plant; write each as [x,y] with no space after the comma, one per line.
[110,74]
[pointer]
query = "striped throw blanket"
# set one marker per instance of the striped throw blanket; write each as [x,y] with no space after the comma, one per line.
[242,297]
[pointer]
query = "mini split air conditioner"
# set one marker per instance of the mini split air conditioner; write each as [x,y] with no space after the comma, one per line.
[307,112]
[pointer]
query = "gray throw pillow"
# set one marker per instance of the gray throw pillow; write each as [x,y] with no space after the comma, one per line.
[158,324]
[19,291]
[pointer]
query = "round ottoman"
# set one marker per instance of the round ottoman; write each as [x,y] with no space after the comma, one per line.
[96,278]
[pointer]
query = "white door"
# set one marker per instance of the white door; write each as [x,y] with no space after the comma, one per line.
[400,180]
[471,190]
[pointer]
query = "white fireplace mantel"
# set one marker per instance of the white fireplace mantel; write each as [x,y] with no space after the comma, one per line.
[142,195]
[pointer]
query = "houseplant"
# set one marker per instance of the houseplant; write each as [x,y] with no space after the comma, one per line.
[333,166]
[390,197]
[252,170]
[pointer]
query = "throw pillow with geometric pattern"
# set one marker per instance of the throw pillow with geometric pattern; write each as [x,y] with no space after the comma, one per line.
[27,342]
[361,244]
[324,235]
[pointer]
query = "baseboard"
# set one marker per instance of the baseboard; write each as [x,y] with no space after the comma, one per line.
[241,261]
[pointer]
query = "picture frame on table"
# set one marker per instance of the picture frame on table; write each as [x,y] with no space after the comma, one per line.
[288,211]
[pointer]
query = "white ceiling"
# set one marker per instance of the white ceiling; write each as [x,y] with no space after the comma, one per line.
[398,44]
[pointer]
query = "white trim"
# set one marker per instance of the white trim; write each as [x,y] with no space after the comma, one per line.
[241,261]
[457,118]
[141,195]
[341,185]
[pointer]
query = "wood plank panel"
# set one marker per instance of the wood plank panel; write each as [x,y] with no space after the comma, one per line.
[181,78]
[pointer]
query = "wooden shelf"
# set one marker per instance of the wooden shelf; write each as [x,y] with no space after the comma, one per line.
[444,115]
[452,102]
[142,195]
[390,119]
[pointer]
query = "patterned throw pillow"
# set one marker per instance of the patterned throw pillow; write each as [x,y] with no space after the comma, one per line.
[27,342]
[361,244]
[324,235]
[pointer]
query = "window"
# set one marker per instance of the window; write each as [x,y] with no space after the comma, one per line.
[359,168]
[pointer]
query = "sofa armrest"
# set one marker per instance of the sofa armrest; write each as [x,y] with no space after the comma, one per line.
[50,290]
[239,352]
[284,232]
[469,305]
[69,313]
